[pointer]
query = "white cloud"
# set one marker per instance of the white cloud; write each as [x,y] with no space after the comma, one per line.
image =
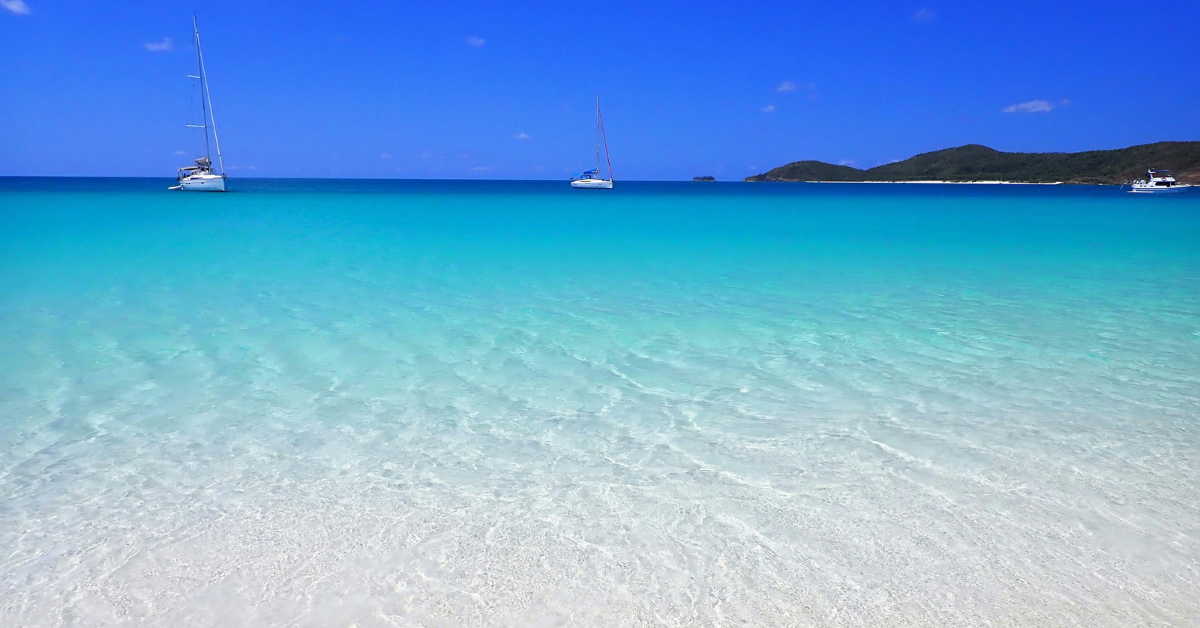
[924,15]
[788,86]
[179,152]
[476,42]
[481,168]
[159,46]
[853,163]
[385,156]
[768,109]
[1033,106]
[521,136]
[16,6]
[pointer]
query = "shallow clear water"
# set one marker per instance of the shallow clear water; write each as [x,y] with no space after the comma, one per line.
[354,403]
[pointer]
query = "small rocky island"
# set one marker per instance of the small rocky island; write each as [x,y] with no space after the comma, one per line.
[704,178]
[976,164]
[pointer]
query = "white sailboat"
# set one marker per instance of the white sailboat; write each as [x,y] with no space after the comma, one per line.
[201,177]
[592,179]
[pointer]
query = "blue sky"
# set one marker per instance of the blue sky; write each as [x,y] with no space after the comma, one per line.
[492,90]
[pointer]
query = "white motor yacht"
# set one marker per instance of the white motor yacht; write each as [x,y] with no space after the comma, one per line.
[591,179]
[1158,182]
[201,177]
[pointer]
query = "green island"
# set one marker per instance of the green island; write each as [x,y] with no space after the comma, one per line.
[974,163]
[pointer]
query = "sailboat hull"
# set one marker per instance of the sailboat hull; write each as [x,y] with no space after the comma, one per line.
[203,183]
[592,184]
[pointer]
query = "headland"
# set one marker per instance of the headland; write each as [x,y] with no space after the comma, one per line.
[974,163]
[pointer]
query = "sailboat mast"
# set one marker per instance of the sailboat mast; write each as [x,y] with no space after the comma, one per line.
[604,134]
[203,106]
[597,133]
[206,95]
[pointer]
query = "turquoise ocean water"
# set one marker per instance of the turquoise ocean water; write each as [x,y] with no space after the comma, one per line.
[365,403]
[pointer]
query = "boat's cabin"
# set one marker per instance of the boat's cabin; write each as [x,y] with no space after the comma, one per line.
[589,175]
[203,166]
[1160,178]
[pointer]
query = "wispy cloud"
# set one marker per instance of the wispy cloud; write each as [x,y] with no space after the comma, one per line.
[768,109]
[158,46]
[179,152]
[924,15]
[481,168]
[1035,106]
[16,6]
[853,163]
[521,136]
[476,42]
[788,86]
[385,156]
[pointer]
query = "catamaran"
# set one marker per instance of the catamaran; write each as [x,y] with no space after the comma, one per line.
[1158,182]
[591,179]
[200,177]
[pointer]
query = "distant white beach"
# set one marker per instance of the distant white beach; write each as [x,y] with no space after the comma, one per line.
[949,182]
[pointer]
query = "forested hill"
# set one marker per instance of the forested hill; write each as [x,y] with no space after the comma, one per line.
[980,163]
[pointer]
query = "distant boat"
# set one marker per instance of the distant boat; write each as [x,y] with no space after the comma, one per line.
[200,177]
[1158,182]
[591,179]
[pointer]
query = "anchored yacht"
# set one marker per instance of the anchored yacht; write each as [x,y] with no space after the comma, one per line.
[1158,182]
[591,179]
[200,177]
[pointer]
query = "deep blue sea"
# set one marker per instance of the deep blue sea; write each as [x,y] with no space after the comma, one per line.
[427,403]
